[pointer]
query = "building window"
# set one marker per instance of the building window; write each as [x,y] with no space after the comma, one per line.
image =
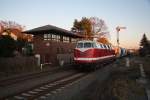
[65,39]
[58,38]
[73,40]
[47,36]
[61,38]
[55,37]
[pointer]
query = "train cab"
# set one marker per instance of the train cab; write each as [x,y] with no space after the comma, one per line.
[89,52]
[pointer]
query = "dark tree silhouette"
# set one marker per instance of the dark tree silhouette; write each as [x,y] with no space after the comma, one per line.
[144,46]
[7,46]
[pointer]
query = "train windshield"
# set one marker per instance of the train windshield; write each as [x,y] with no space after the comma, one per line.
[80,45]
[85,45]
[88,45]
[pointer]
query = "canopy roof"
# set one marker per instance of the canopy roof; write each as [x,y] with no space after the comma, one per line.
[50,29]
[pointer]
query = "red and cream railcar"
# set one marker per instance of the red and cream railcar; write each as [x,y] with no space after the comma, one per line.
[92,52]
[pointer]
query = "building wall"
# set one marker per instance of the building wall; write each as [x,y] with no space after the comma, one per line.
[49,49]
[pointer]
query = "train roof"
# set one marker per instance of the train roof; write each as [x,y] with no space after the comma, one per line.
[92,42]
[85,41]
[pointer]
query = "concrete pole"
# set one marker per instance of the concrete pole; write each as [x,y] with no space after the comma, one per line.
[142,71]
[38,59]
[127,62]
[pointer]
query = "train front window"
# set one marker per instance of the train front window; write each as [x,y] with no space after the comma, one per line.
[80,45]
[88,45]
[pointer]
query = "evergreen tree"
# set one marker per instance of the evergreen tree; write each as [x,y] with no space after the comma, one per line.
[144,46]
[83,26]
[144,42]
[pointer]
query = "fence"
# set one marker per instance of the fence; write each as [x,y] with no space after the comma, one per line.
[17,64]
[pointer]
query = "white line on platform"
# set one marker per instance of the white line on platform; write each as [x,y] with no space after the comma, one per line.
[43,88]
[32,92]
[38,90]
[52,84]
[48,86]
[58,89]
[48,94]
[62,87]
[19,97]
[148,93]
[53,92]
[42,97]
[26,94]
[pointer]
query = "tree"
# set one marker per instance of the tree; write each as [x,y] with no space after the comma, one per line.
[82,27]
[99,27]
[20,43]
[144,46]
[144,41]
[103,40]
[14,28]
[7,46]
[92,27]
[11,25]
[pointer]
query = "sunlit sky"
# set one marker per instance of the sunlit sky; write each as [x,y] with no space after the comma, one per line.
[133,14]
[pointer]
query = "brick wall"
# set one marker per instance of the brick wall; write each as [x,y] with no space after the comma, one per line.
[49,49]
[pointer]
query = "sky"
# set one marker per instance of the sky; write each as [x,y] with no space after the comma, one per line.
[132,14]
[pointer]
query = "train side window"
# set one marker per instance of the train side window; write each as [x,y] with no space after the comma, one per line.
[94,45]
[111,47]
[108,47]
[105,46]
[100,45]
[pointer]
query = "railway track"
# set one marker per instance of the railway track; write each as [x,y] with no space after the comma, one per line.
[18,79]
[47,89]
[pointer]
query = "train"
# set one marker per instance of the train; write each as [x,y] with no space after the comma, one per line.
[89,52]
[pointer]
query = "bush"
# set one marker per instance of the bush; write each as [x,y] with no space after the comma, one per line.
[7,46]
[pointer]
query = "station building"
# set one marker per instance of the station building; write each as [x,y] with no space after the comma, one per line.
[53,44]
